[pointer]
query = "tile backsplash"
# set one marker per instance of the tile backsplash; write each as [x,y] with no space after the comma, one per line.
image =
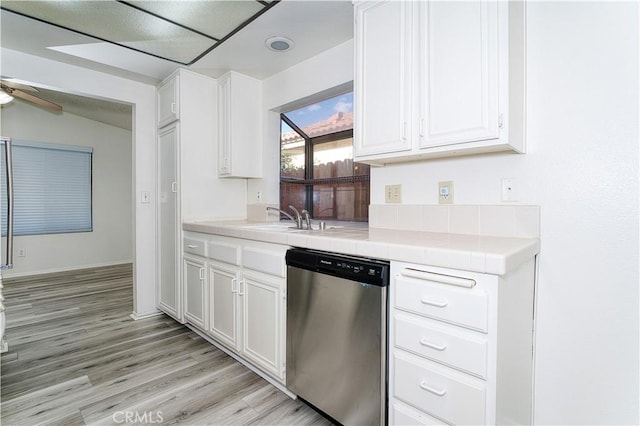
[494,220]
[259,213]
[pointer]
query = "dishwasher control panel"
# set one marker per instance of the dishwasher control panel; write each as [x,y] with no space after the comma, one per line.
[366,270]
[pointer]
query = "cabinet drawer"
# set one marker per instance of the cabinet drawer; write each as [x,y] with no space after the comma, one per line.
[450,345]
[197,247]
[227,253]
[402,415]
[269,262]
[451,303]
[448,396]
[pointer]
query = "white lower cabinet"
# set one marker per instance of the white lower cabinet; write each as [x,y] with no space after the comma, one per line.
[195,289]
[195,292]
[262,308]
[460,345]
[223,303]
[244,299]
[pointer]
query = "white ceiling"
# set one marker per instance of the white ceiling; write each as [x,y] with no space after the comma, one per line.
[313,25]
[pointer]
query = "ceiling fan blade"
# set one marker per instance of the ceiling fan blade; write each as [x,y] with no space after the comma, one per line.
[36,100]
[18,86]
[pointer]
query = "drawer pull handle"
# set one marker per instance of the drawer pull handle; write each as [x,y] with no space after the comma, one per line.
[439,278]
[425,342]
[192,246]
[434,391]
[234,283]
[435,303]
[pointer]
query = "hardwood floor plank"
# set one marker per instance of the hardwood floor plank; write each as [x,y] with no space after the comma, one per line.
[42,404]
[77,358]
[170,386]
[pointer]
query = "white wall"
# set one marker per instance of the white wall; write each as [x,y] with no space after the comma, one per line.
[111,239]
[82,81]
[581,167]
[321,74]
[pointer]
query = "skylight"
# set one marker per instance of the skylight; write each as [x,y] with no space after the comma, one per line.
[178,31]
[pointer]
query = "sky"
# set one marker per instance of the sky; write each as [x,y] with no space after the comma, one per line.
[319,111]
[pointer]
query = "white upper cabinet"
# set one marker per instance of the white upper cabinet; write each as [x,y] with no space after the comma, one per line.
[465,89]
[168,105]
[383,70]
[458,84]
[239,150]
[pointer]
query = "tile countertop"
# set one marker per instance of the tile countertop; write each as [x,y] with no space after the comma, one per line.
[492,255]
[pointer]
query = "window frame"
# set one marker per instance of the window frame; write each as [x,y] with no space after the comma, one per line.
[309,143]
[43,229]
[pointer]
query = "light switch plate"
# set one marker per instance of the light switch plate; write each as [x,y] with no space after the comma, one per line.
[393,193]
[445,192]
[145,197]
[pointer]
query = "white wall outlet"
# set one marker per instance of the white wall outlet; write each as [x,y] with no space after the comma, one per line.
[445,192]
[258,196]
[22,252]
[393,193]
[509,190]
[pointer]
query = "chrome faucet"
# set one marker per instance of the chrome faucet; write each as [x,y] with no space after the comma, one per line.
[305,214]
[297,220]
[298,217]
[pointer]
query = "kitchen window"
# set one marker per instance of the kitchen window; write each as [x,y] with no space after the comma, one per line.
[317,171]
[52,189]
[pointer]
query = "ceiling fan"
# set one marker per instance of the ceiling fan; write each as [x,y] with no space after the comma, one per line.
[21,91]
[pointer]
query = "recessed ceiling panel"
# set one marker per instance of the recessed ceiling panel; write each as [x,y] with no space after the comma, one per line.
[213,18]
[178,31]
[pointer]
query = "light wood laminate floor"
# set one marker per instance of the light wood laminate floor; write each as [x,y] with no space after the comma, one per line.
[76,357]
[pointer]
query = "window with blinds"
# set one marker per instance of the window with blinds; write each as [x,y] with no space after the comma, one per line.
[52,189]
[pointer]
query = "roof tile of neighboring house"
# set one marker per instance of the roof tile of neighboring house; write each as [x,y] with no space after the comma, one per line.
[336,123]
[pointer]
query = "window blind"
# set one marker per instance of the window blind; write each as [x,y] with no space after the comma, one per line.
[52,189]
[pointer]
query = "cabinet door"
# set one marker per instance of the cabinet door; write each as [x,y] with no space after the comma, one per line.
[168,219]
[262,302]
[383,74]
[224,125]
[458,83]
[240,151]
[223,317]
[168,105]
[195,292]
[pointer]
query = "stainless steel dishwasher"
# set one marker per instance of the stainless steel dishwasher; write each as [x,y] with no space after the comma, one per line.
[337,334]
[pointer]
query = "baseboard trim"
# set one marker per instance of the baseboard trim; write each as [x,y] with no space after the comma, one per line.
[136,316]
[10,274]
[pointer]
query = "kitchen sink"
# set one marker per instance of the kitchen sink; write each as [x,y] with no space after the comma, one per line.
[273,227]
[288,227]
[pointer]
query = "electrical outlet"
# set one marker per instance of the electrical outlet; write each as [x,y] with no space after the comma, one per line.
[22,252]
[258,196]
[393,193]
[445,192]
